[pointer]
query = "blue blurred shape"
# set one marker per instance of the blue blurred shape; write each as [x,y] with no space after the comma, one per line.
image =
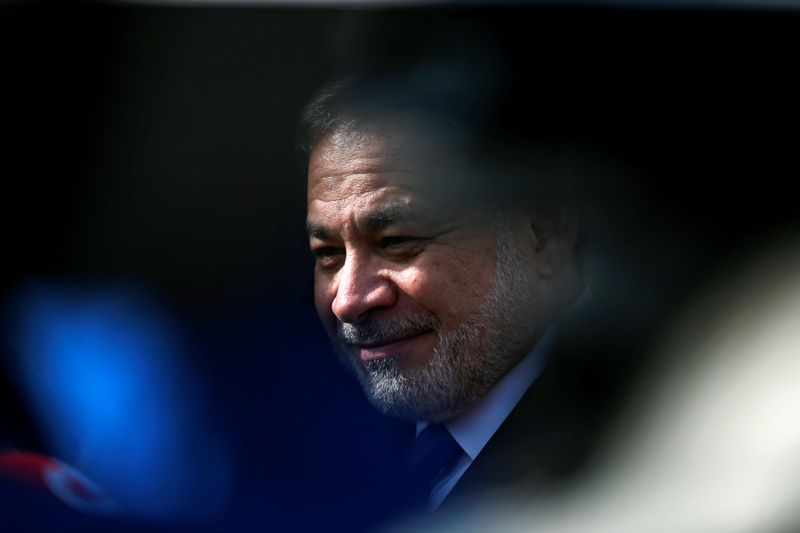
[104,370]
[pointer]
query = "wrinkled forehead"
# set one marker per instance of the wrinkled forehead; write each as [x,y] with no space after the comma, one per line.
[407,153]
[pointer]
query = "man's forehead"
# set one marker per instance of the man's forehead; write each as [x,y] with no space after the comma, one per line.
[373,202]
[374,218]
[354,150]
[344,153]
[351,164]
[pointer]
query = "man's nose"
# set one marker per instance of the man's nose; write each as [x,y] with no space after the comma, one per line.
[361,288]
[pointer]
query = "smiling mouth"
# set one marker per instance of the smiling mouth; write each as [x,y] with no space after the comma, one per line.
[382,348]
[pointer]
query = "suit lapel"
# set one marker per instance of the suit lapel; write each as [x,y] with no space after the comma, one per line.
[551,433]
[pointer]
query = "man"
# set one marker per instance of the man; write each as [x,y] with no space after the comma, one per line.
[440,291]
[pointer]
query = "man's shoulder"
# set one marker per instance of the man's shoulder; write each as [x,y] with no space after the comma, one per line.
[558,424]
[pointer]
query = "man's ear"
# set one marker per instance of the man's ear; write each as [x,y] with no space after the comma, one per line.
[554,231]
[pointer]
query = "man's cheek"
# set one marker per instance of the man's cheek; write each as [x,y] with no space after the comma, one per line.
[322,302]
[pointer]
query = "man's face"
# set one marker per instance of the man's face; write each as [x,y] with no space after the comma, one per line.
[424,299]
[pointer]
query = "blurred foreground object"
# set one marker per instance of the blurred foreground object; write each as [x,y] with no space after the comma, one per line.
[57,479]
[104,370]
[712,440]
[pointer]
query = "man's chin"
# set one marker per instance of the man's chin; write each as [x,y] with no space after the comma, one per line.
[411,411]
[409,394]
[431,391]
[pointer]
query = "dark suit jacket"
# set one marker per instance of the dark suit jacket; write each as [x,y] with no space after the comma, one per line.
[553,432]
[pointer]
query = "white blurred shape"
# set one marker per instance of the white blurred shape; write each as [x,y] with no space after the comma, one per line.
[713,442]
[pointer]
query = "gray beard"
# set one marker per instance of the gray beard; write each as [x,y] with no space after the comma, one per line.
[466,362]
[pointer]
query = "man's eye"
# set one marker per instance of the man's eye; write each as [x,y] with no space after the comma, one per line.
[388,242]
[401,246]
[327,255]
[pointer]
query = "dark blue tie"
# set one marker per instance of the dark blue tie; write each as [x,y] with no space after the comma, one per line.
[434,454]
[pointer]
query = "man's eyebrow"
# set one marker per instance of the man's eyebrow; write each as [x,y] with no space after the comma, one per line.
[375,221]
[389,215]
[317,232]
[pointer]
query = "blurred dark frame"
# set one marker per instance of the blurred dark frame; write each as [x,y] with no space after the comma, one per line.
[157,145]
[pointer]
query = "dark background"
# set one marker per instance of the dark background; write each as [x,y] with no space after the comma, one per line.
[156,147]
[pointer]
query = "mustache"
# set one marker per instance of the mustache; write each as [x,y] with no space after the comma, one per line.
[375,329]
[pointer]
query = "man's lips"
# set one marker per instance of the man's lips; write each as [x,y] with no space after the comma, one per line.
[381,348]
